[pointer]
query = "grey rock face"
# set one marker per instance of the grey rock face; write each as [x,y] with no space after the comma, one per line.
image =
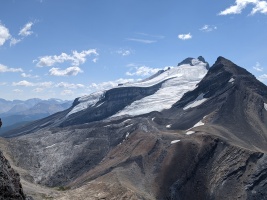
[10,187]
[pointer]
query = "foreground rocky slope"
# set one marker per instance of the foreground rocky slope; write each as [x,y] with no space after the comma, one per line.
[10,186]
[209,144]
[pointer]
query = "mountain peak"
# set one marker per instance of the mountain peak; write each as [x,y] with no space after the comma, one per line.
[194,61]
[227,65]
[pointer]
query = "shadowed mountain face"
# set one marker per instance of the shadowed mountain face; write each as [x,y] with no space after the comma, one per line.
[209,144]
[10,187]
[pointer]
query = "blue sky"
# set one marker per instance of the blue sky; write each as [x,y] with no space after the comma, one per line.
[65,49]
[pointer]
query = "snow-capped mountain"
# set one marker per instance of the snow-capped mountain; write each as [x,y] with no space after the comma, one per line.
[184,133]
[170,85]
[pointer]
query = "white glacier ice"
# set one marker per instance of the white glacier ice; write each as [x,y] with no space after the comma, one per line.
[86,101]
[199,100]
[179,80]
[175,141]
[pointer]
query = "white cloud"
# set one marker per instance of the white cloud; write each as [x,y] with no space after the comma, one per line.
[66,92]
[154,36]
[263,76]
[95,60]
[76,58]
[143,71]
[4,68]
[258,67]
[38,90]
[14,41]
[69,85]
[185,36]
[26,30]
[3,83]
[4,34]
[23,83]
[24,75]
[109,84]
[124,52]
[142,40]
[17,91]
[47,84]
[30,84]
[208,28]
[259,6]
[70,71]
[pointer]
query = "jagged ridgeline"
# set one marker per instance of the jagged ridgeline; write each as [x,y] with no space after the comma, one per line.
[187,132]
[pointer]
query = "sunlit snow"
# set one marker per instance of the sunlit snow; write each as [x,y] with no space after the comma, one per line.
[190,132]
[231,80]
[200,123]
[199,100]
[86,101]
[265,106]
[50,146]
[179,80]
[175,141]
[168,126]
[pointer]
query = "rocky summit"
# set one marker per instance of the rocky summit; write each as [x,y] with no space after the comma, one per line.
[187,132]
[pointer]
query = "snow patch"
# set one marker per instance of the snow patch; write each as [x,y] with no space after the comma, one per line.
[190,132]
[198,101]
[153,118]
[175,141]
[265,106]
[50,146]
[127,135]
[128,125]
[231,80]
[168,126]
[200,123]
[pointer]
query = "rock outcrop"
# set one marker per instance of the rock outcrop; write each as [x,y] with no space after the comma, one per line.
[10,186]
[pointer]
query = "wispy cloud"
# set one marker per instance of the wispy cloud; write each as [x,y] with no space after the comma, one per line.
[208,28]
[24,75]
[258,67]
[14,41]
[153,36]
[66,92]
[4,34]
[17,91]
[76,58]
[25,83]
[70,71]
[263,77]
[69,85]
[141,40]
[142,71]
[259,6]
[185,36]
[4,69]
[26,30]
[38,90]
[124,52]
[109,84]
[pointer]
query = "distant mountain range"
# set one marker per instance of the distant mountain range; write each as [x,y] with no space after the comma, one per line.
[188,132]
[17,112]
